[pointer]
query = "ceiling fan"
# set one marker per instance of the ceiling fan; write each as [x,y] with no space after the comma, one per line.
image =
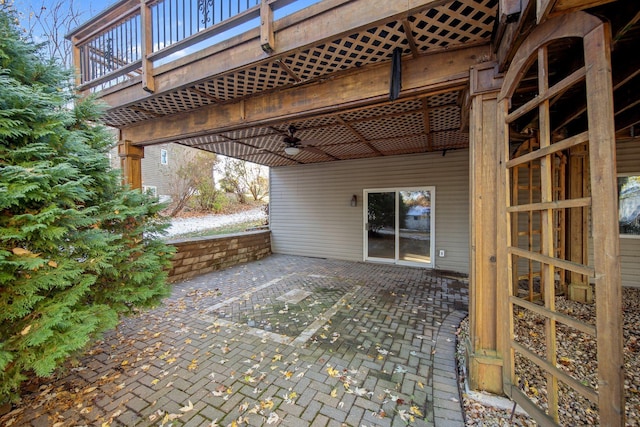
[292,142]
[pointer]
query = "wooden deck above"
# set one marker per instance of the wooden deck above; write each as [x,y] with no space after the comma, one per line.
[243,72]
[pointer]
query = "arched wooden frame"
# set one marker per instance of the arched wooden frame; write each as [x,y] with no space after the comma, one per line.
[605,271]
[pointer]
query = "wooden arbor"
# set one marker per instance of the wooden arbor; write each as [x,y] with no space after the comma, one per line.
[533,106]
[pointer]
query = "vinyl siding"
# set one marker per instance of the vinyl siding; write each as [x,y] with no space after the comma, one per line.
[153,172]
[628,161]
[311,213]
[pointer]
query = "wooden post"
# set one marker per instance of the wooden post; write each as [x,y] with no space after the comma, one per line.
[131,163]
[484,358]
[267,38]
[148,83]
[606,253]
[578,288]
[77,61]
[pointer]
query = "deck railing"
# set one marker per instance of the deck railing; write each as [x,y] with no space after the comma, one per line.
[126,40]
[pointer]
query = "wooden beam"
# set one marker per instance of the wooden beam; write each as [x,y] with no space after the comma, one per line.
[406,26]
[512,33]
[362,87]
[361,138]
[543,9]
[566,6]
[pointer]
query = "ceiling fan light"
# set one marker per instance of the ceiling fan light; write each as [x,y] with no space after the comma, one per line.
[292,151]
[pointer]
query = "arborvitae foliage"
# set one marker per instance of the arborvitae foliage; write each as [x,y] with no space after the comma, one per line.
[77,250]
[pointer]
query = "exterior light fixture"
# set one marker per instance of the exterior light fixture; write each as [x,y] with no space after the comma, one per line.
[354,201]
[292,151]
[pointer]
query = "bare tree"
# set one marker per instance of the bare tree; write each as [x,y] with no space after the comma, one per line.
[48,22]
[192,177]
[240,177]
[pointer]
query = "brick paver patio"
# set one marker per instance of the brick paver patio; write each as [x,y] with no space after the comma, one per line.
[288,341]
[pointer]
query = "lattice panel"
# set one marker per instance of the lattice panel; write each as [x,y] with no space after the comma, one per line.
[202,140]
[373,45]
[389,127]
[306,156]
[268,159]
[309,123]
[383,110]
[125,116]
[447,98]
[272,143]
[246,82]
[330,135]
[455,23]
[415,144]
[449,140]
[444,118]
[234,149]
[350,151]
[175,102]
[249,132]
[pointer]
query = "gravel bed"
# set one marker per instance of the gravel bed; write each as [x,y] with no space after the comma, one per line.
[180,226]
[576,356]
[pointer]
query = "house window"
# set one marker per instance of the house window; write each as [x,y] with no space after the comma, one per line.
[164,157]
[629,205]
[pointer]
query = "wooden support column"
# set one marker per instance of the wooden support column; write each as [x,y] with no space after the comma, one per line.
[484,358]
[131,163]
[76,61]
[148,82]
[604,210]
[267,37]
[578,288]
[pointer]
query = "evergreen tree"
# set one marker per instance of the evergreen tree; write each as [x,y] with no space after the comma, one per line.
[77,250]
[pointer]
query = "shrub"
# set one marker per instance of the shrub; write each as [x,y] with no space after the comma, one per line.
[77,250]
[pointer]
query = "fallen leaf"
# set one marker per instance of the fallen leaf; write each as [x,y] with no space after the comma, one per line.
[415,410]
[187,408]
[333,372]
[26,330]
[273,418]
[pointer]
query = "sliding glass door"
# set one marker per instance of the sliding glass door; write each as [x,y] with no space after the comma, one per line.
[399,225]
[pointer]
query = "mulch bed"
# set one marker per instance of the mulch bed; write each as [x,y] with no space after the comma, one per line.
[576,356]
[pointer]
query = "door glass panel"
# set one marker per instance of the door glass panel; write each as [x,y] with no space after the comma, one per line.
[415,226]
[381,229]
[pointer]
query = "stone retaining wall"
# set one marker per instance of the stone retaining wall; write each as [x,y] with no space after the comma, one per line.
[205,254]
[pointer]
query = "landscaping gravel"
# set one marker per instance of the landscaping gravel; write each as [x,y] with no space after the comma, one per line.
[576,356]
[184,225]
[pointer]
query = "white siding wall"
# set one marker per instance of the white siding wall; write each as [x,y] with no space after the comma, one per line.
[311,213]
[628,161]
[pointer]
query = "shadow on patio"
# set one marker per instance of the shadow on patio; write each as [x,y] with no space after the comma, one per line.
[282,341]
